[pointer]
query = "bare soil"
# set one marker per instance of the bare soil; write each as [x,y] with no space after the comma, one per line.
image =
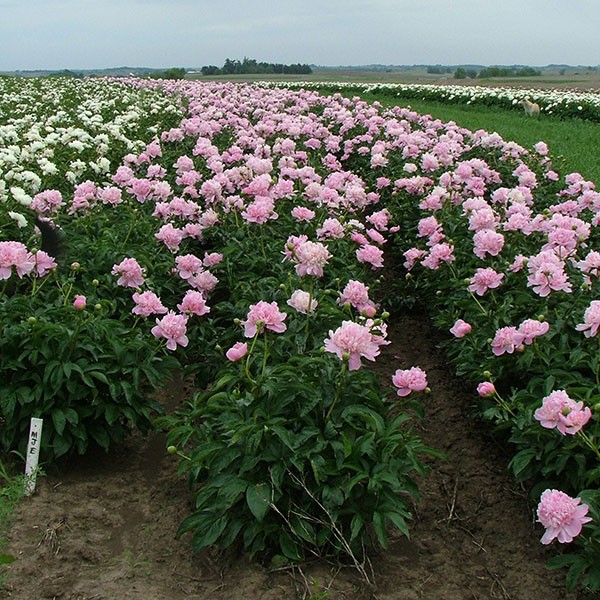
[103,526]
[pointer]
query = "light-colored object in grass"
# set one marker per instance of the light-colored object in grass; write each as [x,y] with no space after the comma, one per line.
[531,108]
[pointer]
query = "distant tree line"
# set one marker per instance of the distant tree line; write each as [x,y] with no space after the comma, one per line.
[439,69]
[172,73]
[488,72]
[249,66]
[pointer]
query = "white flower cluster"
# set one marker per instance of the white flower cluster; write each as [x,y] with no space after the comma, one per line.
[62,132]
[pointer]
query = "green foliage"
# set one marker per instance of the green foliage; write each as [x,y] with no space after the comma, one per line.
[250,66]
[12,488]
[172,73]
[85,373]
[300,458]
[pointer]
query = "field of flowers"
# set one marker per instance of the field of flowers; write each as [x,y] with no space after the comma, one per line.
[561,103]
[237,233]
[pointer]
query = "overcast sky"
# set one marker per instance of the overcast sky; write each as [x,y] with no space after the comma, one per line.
[84,34]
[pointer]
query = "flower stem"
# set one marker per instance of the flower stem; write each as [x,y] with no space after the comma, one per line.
[340,389]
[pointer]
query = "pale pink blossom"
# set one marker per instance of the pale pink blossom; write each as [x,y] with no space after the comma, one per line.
[507,339]
[311,257]
[147,303]
[460,328]
[264,315]
[371,255]
[44,263]
[591,320]
[193,303]
[188,265]
[300,302]
[80,302]
[237,351]
[204,281]
[484,280]
[412,256]
[486,388]
[547,274]
[211,259]
[15,254]
[301,213]
[409,380]
[173,328]
[352,341]
[532,328]
[559,411]
[356,294]
[562,516]
[438,254]
[170,236]
[130,273]
[331,228]
[486,241]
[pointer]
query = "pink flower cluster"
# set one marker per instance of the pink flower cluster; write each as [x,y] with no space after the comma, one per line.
[559,411]
[509,339]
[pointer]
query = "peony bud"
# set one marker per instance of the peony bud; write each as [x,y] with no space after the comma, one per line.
[80,302]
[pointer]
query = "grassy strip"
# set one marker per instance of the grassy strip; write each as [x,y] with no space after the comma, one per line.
[12,488]
[574,144]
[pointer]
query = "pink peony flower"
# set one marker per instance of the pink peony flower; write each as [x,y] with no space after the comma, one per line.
[357,295]
[301,213]
[559,411]
[212,259]
[44,263]
[80,302]
[439,253]
[591,320]
[311,257]
[371,255]
[487,242]
[237,351]
[263,316]
[131,274]
[204,281]
[173,328]
[193,303]
[15,254]
[188,265]
[484,280]
[507,339]
[409,380]
[460,328]
[562,516]
[170,236]
[351,341]
[531,328]
[146,304]
[486,388]
[300,302]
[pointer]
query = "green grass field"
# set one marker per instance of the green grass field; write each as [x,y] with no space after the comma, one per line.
[574,144]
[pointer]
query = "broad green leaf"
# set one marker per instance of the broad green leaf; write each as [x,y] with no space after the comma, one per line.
[258,497]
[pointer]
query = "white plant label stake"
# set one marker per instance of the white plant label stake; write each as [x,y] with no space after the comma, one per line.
[33,453]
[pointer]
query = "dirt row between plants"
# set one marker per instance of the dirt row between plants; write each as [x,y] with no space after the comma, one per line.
[102,527]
